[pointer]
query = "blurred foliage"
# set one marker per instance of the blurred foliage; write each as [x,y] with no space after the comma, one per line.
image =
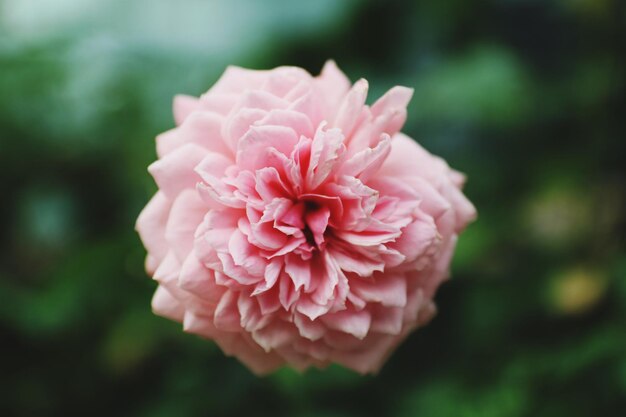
[526,97]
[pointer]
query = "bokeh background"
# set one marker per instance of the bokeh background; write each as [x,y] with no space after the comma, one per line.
[526,97]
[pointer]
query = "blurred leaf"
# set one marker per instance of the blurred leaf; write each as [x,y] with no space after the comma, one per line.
[487,85]
[132,340]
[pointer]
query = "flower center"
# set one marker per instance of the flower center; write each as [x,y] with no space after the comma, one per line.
[312,220]
[310,207]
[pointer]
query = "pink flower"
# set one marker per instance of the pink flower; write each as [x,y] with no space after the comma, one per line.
[294,224]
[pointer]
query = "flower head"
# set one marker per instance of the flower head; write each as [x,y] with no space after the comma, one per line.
[294,224]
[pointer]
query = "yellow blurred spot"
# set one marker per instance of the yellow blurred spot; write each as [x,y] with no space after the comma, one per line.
[577,290]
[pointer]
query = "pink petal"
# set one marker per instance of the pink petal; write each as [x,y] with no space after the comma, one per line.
[334,85]
[220,226]
[366,162]
[257,99]
[221,104]
[226,316]
[270,185]
[298,121]
[457,178]
[213,164]
[288,294]
[316,350]
[253,148]
[367,238]
[267,237]
[251,317]
[238,276]
[310,329]
[349,112]
[387,320]
[311,309]
[388,289]
[299,270]
[326,150]
[258,361]
[186,214]
[175,172]
[214,189]
[281,81]
[199,280]
[310,105]
[352,261]
[184,106]
[245,255]
[202,128]
[463,208]
[325,280]
[199,324]
[407,158]
[213,235]
[417,239]
[387,116]
[372,129]
[165,305]
[396,98]
[167,272]
[356,323]
[274,336]
[268,300]
[151,225]
[369,359]
[238,124]
[236,80]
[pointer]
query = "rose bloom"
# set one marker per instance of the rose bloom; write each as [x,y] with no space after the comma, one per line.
[294,224]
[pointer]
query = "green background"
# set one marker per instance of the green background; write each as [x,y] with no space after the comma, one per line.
[526,97]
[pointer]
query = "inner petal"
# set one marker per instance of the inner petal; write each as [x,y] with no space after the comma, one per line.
[316,219]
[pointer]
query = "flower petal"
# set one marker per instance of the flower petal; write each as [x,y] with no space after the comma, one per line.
[184,106]
[349,112]
[175,172]
[356,323]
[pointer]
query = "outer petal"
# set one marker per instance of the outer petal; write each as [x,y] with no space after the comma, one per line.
[151,227]
[407,158]
[165,305]
[333,85]
[356,323]
[350,110]
[184,106]
[186,214]
[203,128]
[195,278]
[236,80]
[386,289]
[175,172]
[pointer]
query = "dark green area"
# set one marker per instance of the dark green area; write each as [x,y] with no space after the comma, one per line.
[526,97]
